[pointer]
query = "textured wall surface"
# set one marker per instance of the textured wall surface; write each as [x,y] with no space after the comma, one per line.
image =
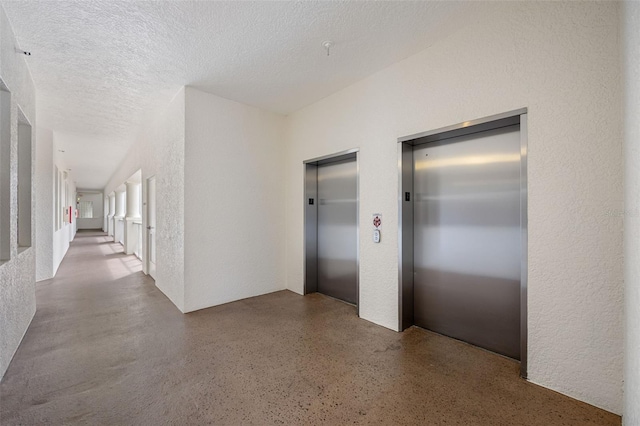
[159,152]
[234,201]
[631,34]
[44,183]
[560,60]
[18,275]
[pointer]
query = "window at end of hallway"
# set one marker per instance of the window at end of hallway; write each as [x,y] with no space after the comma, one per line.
[86,209]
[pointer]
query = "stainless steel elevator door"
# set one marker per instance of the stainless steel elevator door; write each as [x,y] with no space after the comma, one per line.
[337,230]
[467,238]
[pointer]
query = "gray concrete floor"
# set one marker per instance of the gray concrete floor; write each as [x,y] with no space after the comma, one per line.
[107,347]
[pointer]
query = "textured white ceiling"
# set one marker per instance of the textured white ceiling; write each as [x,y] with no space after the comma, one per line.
[103,68]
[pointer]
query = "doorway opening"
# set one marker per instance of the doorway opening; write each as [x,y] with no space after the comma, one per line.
[331,206]
[463,233]
[151,227]
[25,146]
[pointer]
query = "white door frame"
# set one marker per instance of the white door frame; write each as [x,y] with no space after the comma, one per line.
[150,227]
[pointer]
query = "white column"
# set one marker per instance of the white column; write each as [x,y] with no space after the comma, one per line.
[133,200]
[133,221]
[112,204]
[121,201]
[105,214]
[112,213]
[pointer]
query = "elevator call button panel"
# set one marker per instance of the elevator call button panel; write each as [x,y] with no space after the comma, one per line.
[377,224]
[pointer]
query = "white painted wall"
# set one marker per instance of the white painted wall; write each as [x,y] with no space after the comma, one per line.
[98,211]
[560,60]
[62,237]
[61,240]
[86,223]
[234,201]
[44,182]
[17,275]
[52,244]
[227,178]
[159,151]
[631,64]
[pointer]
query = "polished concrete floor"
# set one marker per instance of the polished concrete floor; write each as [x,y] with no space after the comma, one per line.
[107,348]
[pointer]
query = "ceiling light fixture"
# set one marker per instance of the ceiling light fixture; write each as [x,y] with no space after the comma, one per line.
[328,44]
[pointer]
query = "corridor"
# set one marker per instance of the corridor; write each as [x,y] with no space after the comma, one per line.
[107,347]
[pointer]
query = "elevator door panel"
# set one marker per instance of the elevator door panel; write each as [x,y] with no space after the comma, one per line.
[467,239]
[337,230]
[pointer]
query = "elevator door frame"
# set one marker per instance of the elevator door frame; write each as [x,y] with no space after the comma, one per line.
[310,269]
[405,211]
